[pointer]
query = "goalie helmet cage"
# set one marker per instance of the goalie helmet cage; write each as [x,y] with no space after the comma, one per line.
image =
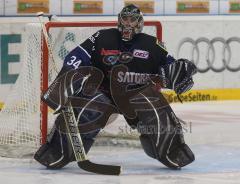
[24,123]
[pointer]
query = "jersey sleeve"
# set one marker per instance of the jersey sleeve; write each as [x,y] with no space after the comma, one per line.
[82,54]
[162,54]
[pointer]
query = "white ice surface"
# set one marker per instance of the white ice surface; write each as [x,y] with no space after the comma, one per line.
[213,136]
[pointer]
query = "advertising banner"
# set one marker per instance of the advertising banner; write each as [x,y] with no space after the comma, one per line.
[188,7]
[112,7]
[88,7]
[234,6]
[91,7]
[192,6]
[146,6]
[204,95]
[213,45]
[32,6]
[11,56]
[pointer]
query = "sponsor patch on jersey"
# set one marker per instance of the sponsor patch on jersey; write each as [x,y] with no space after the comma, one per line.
[123,57]
[132,77]
[109,52]
[111,57]
[141,54]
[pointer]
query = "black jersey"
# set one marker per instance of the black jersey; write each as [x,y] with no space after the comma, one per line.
[105,49]
[143,54]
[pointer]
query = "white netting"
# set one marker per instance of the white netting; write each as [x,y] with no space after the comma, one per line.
[20,118]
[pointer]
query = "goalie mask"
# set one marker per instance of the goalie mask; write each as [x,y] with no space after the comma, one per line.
[130,22]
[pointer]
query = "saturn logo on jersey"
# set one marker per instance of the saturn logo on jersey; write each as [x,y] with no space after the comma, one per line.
[111,57]
[132,77]
[141,54]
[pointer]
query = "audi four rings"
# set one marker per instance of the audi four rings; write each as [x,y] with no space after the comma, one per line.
[210,53]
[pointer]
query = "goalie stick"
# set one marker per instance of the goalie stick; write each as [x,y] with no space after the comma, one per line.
[77,144]
[73,131]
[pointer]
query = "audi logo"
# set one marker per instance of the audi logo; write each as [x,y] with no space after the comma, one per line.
[211,53]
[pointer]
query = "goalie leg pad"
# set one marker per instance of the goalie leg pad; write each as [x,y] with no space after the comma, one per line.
[147,145]
[182,155]
[162,136]
[57,152]
[169,148]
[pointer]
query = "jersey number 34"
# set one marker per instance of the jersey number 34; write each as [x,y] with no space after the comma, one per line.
[74,62]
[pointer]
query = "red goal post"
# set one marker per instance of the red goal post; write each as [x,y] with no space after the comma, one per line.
[155,25]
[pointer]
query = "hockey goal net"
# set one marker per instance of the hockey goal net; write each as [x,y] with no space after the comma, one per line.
[24,120]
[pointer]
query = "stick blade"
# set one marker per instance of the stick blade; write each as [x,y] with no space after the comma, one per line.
[99,168]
